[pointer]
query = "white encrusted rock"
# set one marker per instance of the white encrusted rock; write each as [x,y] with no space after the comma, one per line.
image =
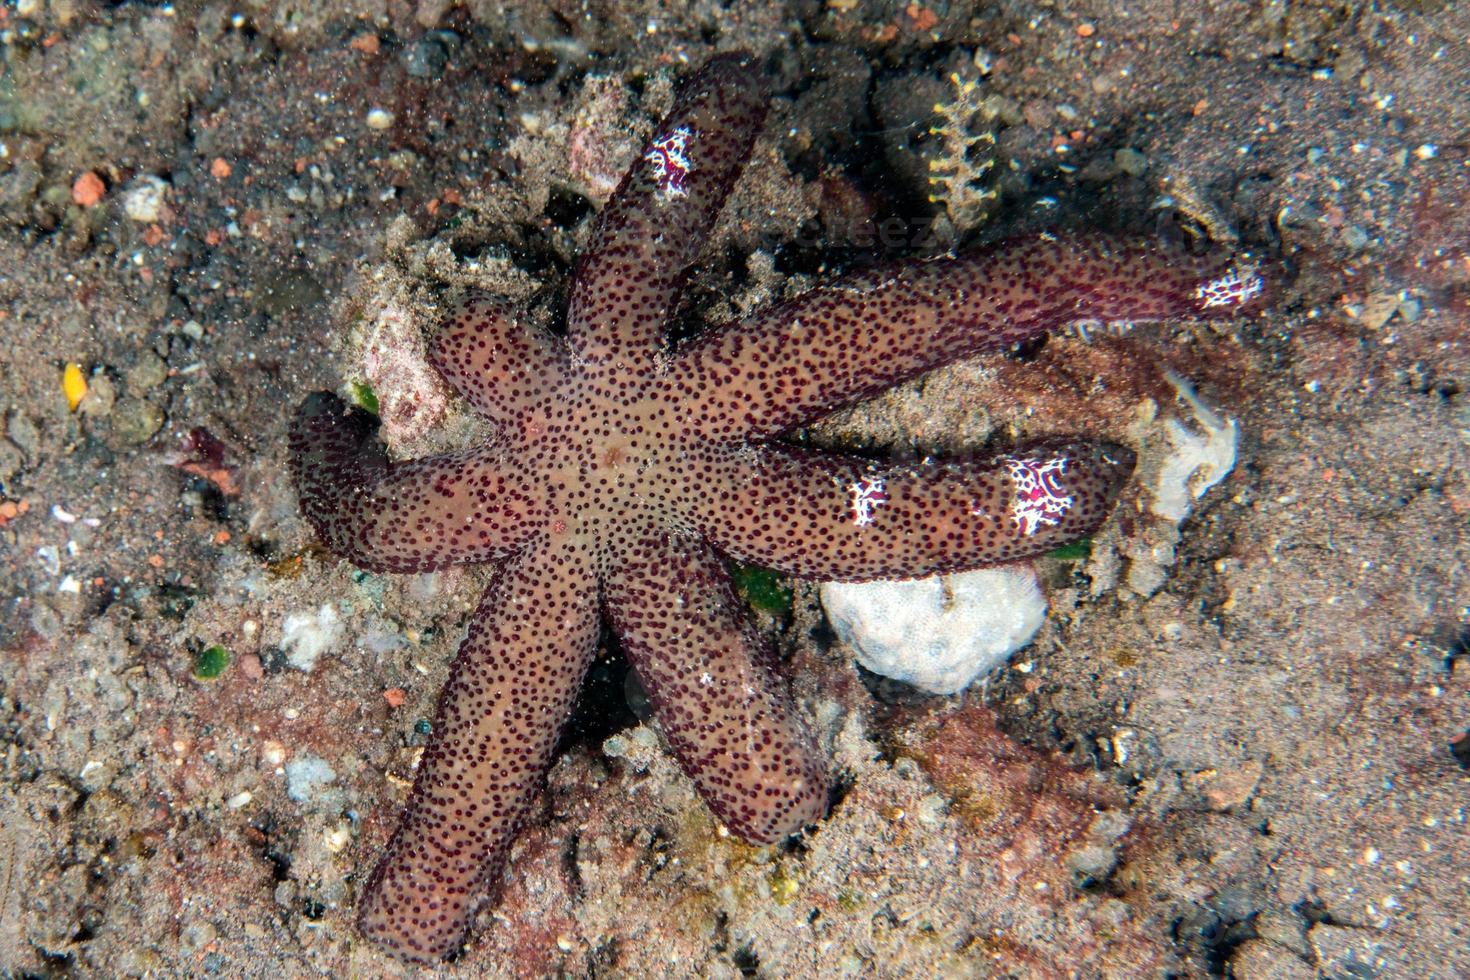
[1202,454]
[145,197]
[938,634]
[1181,455]
[306,636]
[306,776]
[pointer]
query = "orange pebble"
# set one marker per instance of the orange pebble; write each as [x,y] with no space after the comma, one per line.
[922,16]
[395,696]
[219,168]
[1086,30]
[87,190]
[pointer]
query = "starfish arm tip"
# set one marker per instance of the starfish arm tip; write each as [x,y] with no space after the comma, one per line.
[410,517]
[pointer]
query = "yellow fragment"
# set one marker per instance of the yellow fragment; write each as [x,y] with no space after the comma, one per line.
[73,385]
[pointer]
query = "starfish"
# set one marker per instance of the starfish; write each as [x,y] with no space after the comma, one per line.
[623,470]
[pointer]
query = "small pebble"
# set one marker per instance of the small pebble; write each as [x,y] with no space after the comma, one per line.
[197,935]
[1377,309]
[22,431]
[931,810]
[1233,787]
[379,119]
[138,962]
[45,621]
[147,373]
[1130,161]
[11,462]
[1091,864]
[135,421]
[272,753]
[285,893]
[144,199]
[337,838]
[87,190]
[100,397]
[425,59]
[50,558]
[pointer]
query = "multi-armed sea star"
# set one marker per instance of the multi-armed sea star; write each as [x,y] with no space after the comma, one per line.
[622,470]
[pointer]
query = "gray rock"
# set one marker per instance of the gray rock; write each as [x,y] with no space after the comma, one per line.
[1256,959]
[134,422]
[147,373]
[23,432]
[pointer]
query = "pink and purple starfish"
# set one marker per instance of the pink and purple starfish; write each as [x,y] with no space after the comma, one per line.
[623,471]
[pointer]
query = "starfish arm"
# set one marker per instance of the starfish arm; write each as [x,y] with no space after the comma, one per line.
[501,365]
[850,339]
[840,518]
[401,517]
[658,220]
[714,689]
[510,690]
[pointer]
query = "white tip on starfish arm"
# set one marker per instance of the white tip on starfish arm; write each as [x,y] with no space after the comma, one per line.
[867,497]
[1236,288]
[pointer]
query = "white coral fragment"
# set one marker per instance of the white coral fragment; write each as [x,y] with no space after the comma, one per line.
[942,633]
[306,636]
[1203,454]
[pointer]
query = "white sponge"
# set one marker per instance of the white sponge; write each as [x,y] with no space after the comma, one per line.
[938,634]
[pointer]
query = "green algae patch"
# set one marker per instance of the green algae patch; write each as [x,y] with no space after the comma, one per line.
[1076,551]
[211,662]
[364,397]
[765,590]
